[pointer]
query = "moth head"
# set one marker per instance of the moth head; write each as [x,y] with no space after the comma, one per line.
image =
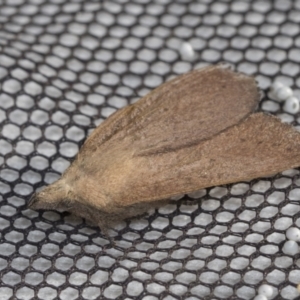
[60,196]
[54,196]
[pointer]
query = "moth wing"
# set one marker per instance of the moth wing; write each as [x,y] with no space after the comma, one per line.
[259,146]
[190,108]
[183,112]
[194,107]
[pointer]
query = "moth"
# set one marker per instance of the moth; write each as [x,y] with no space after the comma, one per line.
[195,131]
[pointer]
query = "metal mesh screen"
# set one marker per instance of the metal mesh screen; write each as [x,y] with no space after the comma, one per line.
[65,66]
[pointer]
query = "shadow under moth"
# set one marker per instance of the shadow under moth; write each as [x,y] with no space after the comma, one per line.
[195,131]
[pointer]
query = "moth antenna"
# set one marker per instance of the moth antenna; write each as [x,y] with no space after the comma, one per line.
[51,196]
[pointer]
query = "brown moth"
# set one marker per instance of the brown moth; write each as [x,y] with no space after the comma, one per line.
[195,131]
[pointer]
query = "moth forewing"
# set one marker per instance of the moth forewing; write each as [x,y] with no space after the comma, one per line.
[256,147]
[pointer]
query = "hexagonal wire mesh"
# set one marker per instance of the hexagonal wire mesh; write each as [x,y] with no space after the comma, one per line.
[65,66]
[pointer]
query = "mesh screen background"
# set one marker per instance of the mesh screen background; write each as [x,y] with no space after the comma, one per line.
[65,66]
